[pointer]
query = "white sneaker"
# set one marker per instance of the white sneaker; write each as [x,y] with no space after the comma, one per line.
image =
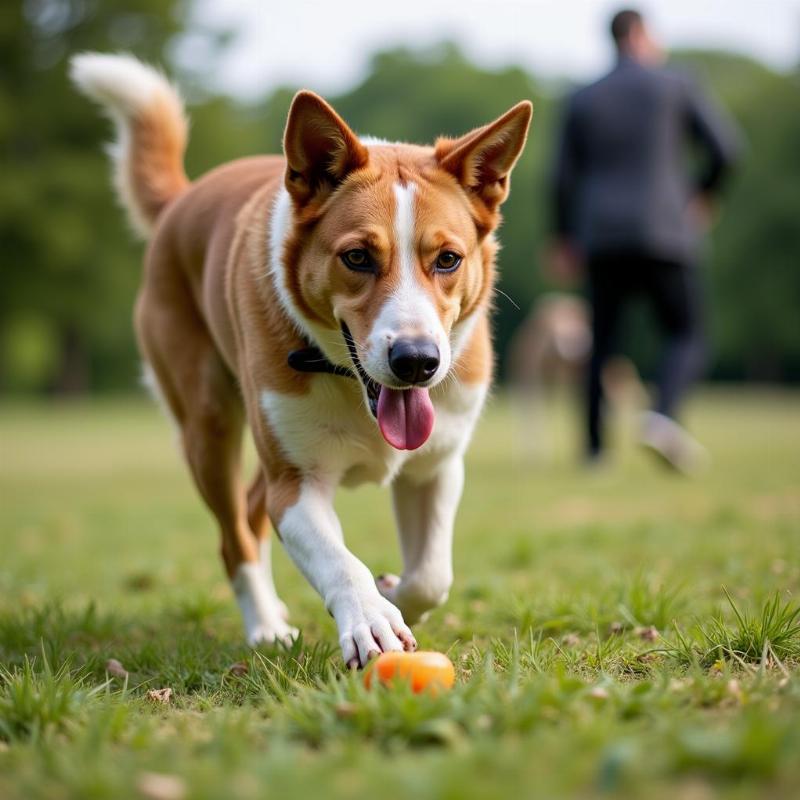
[672,444]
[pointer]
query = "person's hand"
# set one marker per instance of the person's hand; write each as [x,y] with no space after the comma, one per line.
[702,211]
[563,265]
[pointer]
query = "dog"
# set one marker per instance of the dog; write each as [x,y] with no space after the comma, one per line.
[337,300]
[548,353]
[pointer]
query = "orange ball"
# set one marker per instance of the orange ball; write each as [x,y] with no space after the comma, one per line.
[424,670]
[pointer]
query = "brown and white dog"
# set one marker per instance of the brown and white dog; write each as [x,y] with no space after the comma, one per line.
[337,299]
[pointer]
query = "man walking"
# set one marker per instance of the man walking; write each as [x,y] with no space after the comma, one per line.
[628,206]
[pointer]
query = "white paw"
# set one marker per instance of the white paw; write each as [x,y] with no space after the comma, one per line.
[369,625]
[282,609]
[264,615]
[277,631]
[387,583]
[414,598]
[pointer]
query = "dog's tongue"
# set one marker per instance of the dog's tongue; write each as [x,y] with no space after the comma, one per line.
[405,417]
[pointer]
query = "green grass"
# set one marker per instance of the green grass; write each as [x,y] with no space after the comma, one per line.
[621,632]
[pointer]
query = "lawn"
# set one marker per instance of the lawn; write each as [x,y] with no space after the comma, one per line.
[618,632]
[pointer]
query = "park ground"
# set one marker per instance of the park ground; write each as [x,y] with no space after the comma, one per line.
[621,632]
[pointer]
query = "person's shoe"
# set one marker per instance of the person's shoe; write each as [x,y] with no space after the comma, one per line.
[595,461]
[672,444]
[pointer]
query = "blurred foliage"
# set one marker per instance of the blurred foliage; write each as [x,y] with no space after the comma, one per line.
[70,267]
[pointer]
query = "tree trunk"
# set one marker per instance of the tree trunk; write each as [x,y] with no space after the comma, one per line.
[72,374]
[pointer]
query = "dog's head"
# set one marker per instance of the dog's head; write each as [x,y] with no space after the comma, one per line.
[392,254]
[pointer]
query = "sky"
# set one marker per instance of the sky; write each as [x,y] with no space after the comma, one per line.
[326,45]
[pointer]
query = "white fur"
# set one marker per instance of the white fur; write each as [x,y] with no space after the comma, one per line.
[377,141]
[263,616]
[408,311]
[265,559]
[425,514]
[150,382]
[404,229]
[354,452]
[280,226]
[332,411]
[125,87]
[312,535]
[461,333]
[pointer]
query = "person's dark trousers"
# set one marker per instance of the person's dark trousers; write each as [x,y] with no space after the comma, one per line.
[674,292]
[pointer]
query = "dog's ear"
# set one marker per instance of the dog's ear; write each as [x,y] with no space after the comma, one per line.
[320,149]
[482,160]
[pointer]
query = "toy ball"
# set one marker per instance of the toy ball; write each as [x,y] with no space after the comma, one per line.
[424,670]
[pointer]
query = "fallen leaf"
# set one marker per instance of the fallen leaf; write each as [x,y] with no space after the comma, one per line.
[163,696]
[157,786]
[734,689]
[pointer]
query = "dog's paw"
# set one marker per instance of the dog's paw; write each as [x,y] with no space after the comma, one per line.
[414,598]
[369,625]
[282,609]
[270,634]
[387,583]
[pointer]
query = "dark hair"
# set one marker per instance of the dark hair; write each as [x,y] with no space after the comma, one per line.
[622,23]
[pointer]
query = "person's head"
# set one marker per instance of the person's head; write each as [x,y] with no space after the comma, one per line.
[633,39]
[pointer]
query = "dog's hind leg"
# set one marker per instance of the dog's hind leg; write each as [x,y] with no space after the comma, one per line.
[207,406]
[259,525]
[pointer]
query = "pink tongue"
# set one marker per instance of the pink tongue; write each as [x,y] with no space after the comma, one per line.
[405,417]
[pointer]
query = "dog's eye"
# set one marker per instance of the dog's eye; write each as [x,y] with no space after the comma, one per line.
[448,261]
[357,260]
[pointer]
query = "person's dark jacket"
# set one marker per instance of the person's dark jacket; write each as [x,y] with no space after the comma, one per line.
[623,178]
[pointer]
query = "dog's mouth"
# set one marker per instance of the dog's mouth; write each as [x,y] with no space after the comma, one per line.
[405,416]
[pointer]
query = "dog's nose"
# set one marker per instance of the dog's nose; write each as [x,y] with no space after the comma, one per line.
[414,360]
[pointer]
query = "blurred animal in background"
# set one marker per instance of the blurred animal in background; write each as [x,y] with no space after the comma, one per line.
[547,361]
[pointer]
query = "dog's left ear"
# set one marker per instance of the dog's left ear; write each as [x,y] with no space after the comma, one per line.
[320,149]
[482,160]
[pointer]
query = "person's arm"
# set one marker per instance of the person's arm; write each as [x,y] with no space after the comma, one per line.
[714,131]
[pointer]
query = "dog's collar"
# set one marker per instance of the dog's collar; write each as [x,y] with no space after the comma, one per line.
[312,359]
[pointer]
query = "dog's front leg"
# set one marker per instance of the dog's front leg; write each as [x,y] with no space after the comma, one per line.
[310,531]
[425,511]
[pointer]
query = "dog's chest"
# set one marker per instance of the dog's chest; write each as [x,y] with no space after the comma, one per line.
[329,431]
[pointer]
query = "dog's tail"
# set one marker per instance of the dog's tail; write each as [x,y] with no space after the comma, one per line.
[151,131]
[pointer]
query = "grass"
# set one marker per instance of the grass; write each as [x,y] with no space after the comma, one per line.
[621,633]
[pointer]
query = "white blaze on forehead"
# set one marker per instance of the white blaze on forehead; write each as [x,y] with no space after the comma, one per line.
[404,229]
[408,310]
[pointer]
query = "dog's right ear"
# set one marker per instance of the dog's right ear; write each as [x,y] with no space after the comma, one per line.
[321,151]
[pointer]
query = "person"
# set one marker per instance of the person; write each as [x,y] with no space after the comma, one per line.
[629,207]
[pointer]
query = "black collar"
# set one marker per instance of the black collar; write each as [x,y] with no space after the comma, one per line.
[312,359]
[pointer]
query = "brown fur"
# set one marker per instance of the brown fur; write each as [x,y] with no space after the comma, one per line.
[157,176]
